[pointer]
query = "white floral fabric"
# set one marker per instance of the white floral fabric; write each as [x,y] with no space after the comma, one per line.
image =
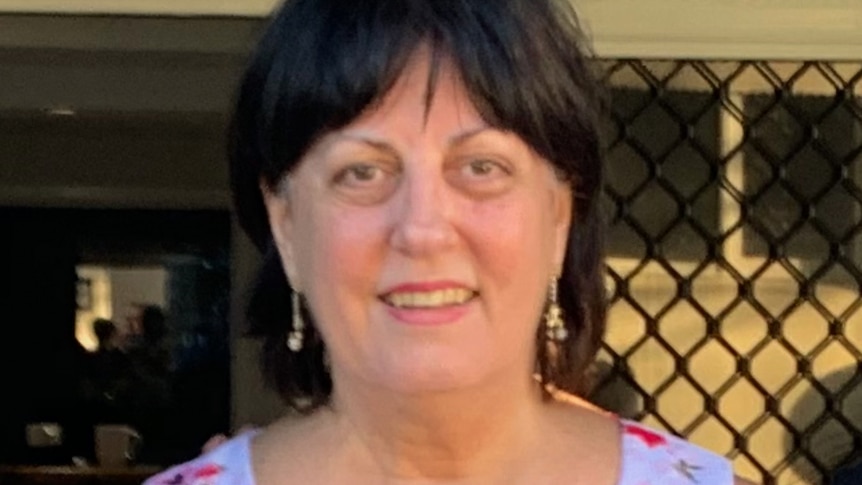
[648,458]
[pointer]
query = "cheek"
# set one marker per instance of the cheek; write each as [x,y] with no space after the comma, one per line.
[339,252]
[513,239]
[512,243]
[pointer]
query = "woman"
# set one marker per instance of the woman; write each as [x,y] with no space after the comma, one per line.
[425,174]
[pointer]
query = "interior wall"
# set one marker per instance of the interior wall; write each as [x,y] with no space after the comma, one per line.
[136,286]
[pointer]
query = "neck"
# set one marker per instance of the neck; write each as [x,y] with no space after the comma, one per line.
[442,437]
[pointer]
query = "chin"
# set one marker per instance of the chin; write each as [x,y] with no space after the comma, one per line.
[417,374]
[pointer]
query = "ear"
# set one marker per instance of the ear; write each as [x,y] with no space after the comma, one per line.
[563,210]
[281,226]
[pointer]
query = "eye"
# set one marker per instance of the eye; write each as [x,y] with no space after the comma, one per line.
[484,169]
[482,176]
[359,174]
[365,183]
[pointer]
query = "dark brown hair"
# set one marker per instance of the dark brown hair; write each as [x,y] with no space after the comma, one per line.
[321,63]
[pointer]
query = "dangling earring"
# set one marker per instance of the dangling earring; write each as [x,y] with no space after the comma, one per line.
[296,336]
[555,326]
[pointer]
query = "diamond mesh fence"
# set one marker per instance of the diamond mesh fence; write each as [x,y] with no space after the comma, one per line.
[734,203]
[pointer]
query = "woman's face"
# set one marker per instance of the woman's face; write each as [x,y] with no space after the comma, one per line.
[423,240]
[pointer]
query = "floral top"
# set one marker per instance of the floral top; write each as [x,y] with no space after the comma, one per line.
[648,458]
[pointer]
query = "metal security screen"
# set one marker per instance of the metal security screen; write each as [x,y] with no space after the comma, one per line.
[734,200]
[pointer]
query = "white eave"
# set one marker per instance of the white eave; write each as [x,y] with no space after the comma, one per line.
[707,29]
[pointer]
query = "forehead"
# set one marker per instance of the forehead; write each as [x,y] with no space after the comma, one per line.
[428,92]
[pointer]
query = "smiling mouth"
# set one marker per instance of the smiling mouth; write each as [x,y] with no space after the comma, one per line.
[429,299]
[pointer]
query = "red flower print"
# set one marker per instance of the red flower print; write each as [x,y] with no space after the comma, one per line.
[207,471]
[200,475]
[650,438]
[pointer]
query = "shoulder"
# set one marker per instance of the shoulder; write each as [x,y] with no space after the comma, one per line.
[669,460]
[227,464]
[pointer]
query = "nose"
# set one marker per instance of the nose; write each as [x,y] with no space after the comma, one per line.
[423,222]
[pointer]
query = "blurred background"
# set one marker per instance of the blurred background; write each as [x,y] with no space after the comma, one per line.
[733,197]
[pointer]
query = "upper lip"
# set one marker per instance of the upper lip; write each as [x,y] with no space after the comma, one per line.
[422,286]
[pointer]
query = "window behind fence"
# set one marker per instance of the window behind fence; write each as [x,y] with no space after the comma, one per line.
[734,202]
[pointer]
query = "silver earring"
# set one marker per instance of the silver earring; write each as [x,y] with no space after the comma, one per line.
[555,326]
[296,336]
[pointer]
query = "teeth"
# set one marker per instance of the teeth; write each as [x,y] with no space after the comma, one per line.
[429,299]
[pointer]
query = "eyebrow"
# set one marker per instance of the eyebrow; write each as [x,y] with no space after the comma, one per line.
[462,137]
[383,146]
[373,142]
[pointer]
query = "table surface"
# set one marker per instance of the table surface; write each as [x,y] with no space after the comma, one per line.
[75,474]
[77,470]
